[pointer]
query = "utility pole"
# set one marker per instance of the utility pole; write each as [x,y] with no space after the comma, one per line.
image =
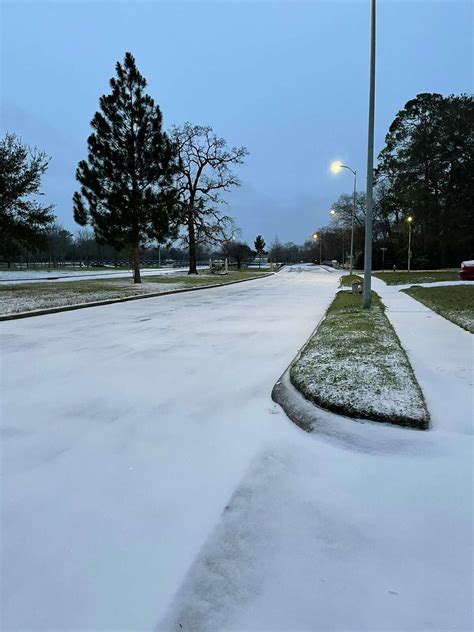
[370,167]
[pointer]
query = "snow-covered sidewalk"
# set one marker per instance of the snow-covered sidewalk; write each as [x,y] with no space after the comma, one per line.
[442,356]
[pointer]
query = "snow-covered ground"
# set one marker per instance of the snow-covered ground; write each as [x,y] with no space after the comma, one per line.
[11,303]
[433,284]
[31,276]
[150,483]
[438,351]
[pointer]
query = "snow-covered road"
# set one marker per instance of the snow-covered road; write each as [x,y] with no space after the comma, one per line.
[150,482]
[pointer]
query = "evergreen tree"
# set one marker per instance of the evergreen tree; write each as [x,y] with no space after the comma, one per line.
[127,192]
[426,170]
[259,247]
[23,220]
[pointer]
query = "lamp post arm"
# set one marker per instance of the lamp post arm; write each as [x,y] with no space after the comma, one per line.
[350,169]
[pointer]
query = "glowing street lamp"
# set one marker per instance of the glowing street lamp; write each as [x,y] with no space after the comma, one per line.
[336,167]
[409,220]
[316,237]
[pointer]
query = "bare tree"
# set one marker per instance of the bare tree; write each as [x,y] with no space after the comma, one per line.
[204,173]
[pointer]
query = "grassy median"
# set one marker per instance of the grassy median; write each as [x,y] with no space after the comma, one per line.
[455,302]
[403,277]
[346,279]
[25,297]
[354,365]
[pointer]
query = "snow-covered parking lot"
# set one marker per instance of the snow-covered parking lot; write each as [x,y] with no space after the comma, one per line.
[149,482]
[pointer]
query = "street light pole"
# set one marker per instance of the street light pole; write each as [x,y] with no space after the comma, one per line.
[333,213]
[336,166]
[370,167]
[352,220]
[409,220]
[316,237]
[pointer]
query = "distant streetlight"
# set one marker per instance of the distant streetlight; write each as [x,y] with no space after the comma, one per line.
[336,167]
[409,220]
[316,237]
[333,213]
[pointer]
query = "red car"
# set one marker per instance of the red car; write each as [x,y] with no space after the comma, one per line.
[467,271]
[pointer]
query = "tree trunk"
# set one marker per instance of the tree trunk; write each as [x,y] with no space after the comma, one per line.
[135,257]
[192,245]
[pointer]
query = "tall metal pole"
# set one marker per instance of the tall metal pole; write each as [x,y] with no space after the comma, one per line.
[352,220]
[409,245]
[370,166]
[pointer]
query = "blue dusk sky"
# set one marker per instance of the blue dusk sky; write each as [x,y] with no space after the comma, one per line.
[287,79]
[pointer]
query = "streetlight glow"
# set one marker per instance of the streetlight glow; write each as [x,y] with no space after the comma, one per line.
[409,218]
[332,212]
[336,166]
[315,235]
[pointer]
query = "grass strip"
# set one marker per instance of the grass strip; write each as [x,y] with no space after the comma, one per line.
[26,297]
[403,277]
[354,365]
[453,302]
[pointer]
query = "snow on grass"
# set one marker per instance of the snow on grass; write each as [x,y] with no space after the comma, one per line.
[403,277]
[354,365]
[34,296]
[456,303]
[27,298]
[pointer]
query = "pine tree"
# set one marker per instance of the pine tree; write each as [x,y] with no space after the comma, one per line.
[23,220]
[259,247]
[127,192]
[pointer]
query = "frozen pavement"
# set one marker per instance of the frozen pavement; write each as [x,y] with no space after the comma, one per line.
[149,482]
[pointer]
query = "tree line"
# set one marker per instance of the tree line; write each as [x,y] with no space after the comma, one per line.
[141,187]
[424,172]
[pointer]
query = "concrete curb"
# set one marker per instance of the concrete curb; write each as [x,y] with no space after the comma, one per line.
[351,433]
[125,299]
[311,417]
